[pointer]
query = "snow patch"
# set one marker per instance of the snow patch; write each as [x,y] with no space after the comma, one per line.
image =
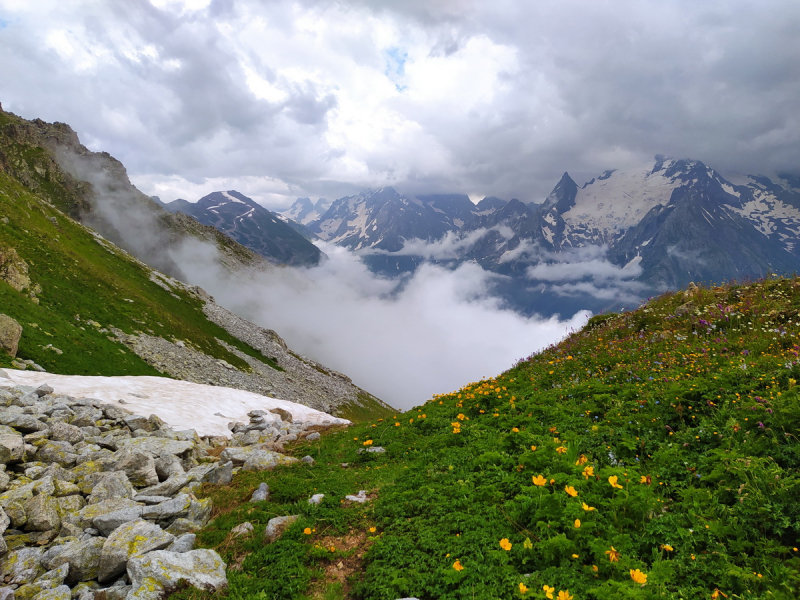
[182,404]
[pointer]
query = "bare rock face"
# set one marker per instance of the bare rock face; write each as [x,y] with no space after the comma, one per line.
[10,332]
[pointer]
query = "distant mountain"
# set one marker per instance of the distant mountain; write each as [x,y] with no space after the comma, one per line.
[304,211]
[659,226]
[252,225]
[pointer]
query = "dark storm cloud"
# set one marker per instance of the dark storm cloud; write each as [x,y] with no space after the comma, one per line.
[295,98]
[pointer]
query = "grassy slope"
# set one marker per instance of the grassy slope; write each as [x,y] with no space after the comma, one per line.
[688,405]
[85,281]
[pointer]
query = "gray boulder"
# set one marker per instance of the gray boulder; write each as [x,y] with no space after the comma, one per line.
[168,465]
[61,453]
[114,484]
[176,507]
[157,571]
[156,446]
[82,556]
[12,448]
[166,488]
[21,422]
[184,543]
[127,541]
[42,513]
[221,475]
[276,527]
[109,522]
[261,494]
[265,459]
[139,466]
[64,432]
[62,592]
[10,332]
[21,566]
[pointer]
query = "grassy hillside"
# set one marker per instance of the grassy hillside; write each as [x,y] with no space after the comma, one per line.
[654,454]
[84,285]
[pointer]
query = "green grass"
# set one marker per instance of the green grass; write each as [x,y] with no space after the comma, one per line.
[83,281]
[693,415]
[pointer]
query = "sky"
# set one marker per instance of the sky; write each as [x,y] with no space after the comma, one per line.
[281,99]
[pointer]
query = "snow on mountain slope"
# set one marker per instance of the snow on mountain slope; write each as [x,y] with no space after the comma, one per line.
[183,405]
[607,206]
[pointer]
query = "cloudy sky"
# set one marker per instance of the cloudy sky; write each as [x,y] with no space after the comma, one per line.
[287,98]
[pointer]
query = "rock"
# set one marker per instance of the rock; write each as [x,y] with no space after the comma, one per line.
[175,507]
[161,570]
[21,422]
[157,446]
[118,591]
[7,593]
[276,527]
[221,475]
[128,541]
[21,566]
[184,543]
[376,449]
[42,513]
[43,390]
[86,516]
[138,422]
[245,528]
[238,454]
[12,448]
[16,512]
[82,556]
[285,415]
[110,522]
[151,499]
[5,521]
[168,487]
[65,488]
[361,497]
[313,436]
[316,499]
[308,460]
[57,452]
[10,332]
[139,466]
[69,504]
[181,526]
[64,432]
[265,459]
[167,465]
[200,511]
[261,494]
[62,592]
[114,484]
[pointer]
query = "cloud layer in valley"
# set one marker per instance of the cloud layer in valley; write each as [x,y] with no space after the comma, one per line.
[403,342]
[297,98]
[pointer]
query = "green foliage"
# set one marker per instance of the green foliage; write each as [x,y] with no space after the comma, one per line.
[691,412]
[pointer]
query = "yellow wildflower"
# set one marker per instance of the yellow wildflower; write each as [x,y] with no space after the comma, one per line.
[533,448]
[548,591]
[561,449]
[588,472]
[372,530]
[307,530]
[613,481]
[527,544]
[577,523]
[367,443]
[539,480]
[515,429]
[638,576]
[586,507]
[581,460]
[613,554]
[564,595]
[667,547]
[571,491]
[457,566]
[505,544]
[523,589]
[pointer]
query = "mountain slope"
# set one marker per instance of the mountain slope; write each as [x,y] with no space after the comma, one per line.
[252,225]
[653,454]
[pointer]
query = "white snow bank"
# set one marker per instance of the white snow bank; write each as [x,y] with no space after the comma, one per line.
[183,405]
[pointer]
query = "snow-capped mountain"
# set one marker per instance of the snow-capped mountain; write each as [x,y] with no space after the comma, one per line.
[304,211]
[252,225]
[662,224]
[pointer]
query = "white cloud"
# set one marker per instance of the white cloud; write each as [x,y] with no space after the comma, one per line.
[403,341]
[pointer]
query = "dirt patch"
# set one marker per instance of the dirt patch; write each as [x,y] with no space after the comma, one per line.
[347,559]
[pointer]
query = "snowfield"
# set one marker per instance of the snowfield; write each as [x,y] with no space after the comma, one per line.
[183,405]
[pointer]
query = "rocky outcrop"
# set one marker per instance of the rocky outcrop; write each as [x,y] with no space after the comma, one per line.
[96,502]
[10,332]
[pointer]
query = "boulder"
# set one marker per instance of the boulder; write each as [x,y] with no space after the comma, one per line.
[109,522]
[221,474]
[176,507]
[160,570]
[64,432]
[86,516]
[168,487]
[245,528]
[265,459]
[82,556]
[261,494]
[62,592]
[21,566]
[127,541]
[42,513]
[276,527]
[184,543]
[168,465]
[10,332]
[12,448]
[61,453]
[21,422]
[156,446]
[139,466]
[114,484]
